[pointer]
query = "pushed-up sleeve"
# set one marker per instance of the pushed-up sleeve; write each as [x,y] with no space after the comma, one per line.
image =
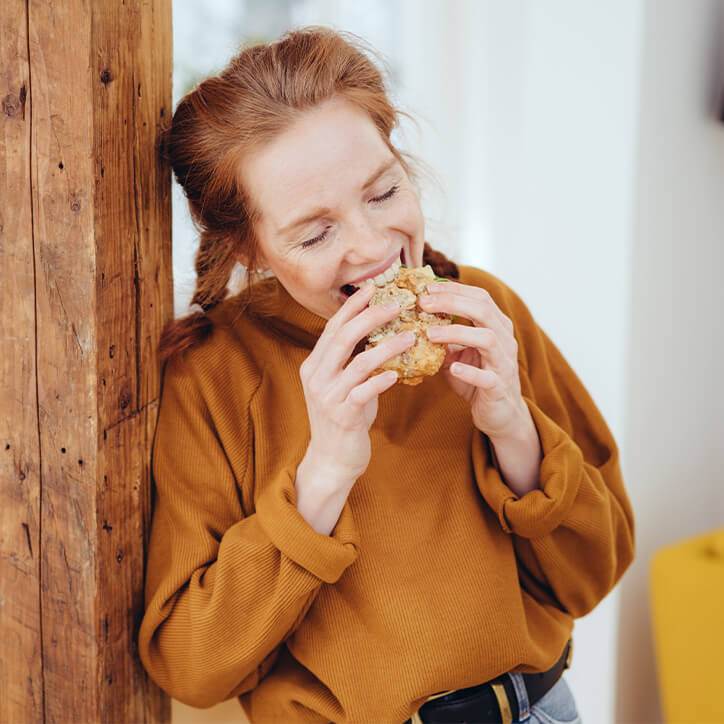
[224,590]
[574,535]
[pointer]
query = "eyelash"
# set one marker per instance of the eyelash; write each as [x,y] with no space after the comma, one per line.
[378,199]
[312,242]
[387,195]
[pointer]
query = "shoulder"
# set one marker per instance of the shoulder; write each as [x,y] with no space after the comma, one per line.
[221,362]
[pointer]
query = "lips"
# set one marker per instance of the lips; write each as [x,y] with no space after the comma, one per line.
[380,279]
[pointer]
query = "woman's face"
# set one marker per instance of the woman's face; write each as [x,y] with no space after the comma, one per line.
[336,207]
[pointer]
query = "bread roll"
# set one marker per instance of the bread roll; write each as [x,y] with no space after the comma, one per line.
[424,358]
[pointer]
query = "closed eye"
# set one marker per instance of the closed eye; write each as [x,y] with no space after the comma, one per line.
[315,240]
[387,195]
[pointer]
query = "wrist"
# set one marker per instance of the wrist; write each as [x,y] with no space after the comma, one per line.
[328,470]
[321,494]
[519,456]
[519,429]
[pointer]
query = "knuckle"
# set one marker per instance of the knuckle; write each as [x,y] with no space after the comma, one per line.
[305,369]
[314,388]
[357,364]
[356,397]
[326,406]
[347,336]
[488,337]
[332,325]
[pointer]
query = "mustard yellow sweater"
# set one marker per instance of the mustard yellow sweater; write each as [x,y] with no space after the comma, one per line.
[436,576]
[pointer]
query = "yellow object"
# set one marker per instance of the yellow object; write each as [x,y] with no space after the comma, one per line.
[687,597]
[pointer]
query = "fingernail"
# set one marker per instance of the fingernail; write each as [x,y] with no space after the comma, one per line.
[433,287]
[433,332]
[425,299]
[408,337]
[391,306]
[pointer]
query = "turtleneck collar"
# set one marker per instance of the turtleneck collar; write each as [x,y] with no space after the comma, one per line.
[273,306]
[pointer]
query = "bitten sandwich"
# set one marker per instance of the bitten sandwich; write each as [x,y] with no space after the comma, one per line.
[424,358]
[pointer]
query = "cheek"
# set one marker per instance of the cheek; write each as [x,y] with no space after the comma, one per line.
[313,276]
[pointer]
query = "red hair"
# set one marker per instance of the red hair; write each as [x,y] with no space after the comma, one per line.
[253,100]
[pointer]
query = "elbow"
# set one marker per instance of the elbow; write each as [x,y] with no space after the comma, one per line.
[192,688]
[196,694]
[600,584]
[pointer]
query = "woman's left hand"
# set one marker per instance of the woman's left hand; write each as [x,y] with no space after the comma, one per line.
[485,371]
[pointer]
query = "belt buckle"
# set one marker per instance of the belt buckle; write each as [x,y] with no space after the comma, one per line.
[506,715]
[569,655]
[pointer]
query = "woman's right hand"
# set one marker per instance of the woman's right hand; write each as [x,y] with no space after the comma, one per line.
[342,402]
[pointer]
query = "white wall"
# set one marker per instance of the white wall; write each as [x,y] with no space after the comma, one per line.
[675,394]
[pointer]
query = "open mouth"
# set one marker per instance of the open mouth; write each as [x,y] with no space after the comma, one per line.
[380,280]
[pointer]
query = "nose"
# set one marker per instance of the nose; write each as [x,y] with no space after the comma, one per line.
[365,241]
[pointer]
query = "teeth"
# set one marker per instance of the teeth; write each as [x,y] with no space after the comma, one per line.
[386,276]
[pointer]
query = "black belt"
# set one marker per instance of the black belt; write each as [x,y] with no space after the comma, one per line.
[492,702]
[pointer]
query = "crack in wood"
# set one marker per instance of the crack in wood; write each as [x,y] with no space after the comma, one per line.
[27,536]
[136,242]
[42,705]
[133,414]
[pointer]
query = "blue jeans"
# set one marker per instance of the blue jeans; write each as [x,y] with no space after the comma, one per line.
[557,706]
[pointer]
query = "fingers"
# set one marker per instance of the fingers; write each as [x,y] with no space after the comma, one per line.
[472,303]
[353,306]
[481,338]
[336,348]
[373,387]
[362,366]
[485,379]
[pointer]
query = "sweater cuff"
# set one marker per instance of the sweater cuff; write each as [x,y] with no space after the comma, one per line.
[324,556]
[540,511]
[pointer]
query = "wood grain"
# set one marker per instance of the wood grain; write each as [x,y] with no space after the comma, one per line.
[85,244]
[21,680]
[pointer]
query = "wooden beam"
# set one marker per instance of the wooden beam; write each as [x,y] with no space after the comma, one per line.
[21,672]
[90,244]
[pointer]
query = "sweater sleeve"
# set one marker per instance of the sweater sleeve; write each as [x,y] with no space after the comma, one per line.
[223,589]
[574,535]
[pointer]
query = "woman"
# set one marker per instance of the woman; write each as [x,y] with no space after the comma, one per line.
[329,545]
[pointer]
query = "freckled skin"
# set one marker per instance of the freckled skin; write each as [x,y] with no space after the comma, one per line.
[323,161]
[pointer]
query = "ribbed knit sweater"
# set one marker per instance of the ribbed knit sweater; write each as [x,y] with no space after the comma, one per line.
[436,576]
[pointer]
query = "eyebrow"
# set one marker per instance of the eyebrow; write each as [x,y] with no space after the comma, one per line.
[322,211]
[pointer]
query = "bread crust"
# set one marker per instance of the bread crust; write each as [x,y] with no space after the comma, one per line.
[424,358]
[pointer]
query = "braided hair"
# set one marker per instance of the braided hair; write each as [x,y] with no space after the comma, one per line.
[255,98]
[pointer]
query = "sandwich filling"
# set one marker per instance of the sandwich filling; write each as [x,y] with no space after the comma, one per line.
[424,358]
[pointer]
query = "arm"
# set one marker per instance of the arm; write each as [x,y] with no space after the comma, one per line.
[223,589]
[519,455]
[575,534]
